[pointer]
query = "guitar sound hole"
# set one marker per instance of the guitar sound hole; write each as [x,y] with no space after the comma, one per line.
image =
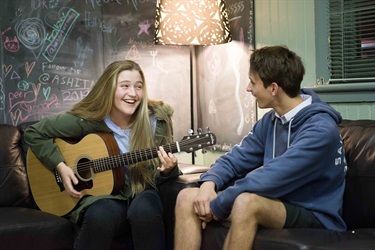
[84,174]
[84,170]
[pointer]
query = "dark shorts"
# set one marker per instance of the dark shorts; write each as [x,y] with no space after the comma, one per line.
[299,217]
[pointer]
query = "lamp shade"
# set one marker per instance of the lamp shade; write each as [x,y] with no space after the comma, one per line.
[191,22]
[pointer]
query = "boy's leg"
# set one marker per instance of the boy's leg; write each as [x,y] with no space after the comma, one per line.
[188,234]
[249,211]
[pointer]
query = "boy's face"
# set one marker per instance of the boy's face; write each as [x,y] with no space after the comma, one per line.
[263,95]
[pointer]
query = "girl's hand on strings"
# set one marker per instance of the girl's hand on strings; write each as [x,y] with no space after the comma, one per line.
[168,161]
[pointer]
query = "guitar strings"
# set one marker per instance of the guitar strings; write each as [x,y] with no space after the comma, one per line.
[128,158]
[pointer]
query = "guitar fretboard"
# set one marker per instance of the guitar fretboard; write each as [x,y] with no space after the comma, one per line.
[107,163]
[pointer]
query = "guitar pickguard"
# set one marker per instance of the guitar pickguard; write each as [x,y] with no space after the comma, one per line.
[82,185]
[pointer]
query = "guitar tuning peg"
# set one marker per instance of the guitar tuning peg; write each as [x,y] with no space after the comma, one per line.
[195,154]
[208,130]
[204,151]
[190,132]
[199,130]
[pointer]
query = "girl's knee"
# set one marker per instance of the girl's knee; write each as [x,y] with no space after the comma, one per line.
[145,206]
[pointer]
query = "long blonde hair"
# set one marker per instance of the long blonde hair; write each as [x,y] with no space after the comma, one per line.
[98,104]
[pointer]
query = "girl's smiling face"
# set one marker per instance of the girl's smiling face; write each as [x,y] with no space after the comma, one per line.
[128,94]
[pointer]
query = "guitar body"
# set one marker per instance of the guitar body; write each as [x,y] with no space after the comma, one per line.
[44,184]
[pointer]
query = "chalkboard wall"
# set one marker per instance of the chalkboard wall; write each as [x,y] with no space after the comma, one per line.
[52,53]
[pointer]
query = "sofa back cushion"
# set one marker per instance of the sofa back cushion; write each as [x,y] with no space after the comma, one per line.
[14,188]
[359,197]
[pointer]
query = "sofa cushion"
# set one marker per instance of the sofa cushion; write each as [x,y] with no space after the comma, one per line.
[314,239]
[305,238]
[359,198]
[14,187]
[27,228]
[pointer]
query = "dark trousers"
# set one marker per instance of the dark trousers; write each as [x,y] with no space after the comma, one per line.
[106,219]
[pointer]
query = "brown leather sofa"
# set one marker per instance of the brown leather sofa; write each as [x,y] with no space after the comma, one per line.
[23,226]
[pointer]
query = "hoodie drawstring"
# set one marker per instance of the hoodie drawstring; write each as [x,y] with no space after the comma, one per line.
[274,136]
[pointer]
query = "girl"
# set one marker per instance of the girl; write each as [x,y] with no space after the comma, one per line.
[118,104]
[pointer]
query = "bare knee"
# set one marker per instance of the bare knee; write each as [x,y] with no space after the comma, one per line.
[246,205]
[246,200]
[186,197]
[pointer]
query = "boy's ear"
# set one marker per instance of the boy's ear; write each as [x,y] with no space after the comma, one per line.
[274,88]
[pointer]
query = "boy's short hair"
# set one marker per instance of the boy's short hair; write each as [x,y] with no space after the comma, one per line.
[280,65]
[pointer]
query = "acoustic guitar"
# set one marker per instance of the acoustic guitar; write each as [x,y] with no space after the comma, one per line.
[90,158]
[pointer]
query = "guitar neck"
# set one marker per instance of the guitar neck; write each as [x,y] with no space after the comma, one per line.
[112,162]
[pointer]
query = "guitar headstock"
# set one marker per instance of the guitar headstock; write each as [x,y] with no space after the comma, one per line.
[192,142]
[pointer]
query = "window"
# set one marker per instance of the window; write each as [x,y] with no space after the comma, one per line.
[352,41]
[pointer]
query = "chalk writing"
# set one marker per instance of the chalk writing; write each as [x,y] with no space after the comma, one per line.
[93,21]
[45,4]
[69,81]
[142,44]
[2,95]
[23,103]
[83,51]
[60,32]
[235,8]
[250,30]
[51,66]
[98,3]
[74,95]
[72,81]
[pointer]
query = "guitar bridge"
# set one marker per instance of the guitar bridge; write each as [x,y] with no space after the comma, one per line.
[59,181]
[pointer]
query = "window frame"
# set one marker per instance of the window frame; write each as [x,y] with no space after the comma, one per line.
[357,92]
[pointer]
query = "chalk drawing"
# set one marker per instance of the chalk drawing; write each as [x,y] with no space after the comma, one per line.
[32,34]
[11,45]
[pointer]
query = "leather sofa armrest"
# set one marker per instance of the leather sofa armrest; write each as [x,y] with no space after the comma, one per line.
[192,169]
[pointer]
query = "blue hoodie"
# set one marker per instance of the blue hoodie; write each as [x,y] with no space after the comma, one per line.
[309,170]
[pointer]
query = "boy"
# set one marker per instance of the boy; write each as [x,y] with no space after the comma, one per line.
[289,171]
